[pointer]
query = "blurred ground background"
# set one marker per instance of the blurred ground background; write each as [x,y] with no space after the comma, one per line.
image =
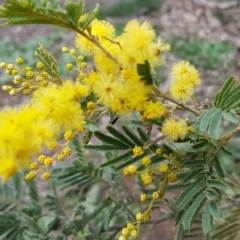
[204,32]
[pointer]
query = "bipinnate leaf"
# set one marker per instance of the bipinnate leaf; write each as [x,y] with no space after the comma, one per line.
[214,210]
[144,71]
[206,222]
[75,10]
[216,183]
[223,93]
[193,210]
[110,140]
[121,137]
[118,159]
[137,141]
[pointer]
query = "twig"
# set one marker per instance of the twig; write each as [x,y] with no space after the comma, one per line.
[167,96]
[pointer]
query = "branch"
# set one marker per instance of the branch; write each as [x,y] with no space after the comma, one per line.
[229,135]
[167,96]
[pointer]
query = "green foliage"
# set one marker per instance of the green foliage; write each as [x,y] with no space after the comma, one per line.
[194,161]
[43,12]
[144,71]
[209,122]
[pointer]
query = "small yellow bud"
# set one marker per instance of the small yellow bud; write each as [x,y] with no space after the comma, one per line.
[134,233]
[125,232]
[122,238]
[132,170]
[6,88]
[17,79]
[30,74]
[61,157]
[143,197]
[73,52]
[27,68]
[26,85]
[80,58]
[147,216]
[26,92]
[8,72]
[138,151]
[44,74]
[139,217]
[146,161]
[53,145]
[10,66]
[44,83]
[67,151]
[14,72]
[164,168]
[64,49]
[48,161]
[90,105]
[46,175]
[159,151]
[40,66]
[68,135]
[81,128]
[83,65]
[41,158]
[82,75]
[19,61]
[146,178]
[69,66]
[13,92]
[130,226]
[34,166]
[155,195]
[30,175]
[172,177]
[3,65]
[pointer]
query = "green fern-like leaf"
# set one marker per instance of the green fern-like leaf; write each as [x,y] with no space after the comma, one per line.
[79,149]
[10,226]
[223,93]
[137,141]
[109,140]
[104,147]
[53,204]
[207,222]
[118,159]
[192,211]
[144,71]
[49,62]
[191,196]
[33,190]
[117,134]
[216,183]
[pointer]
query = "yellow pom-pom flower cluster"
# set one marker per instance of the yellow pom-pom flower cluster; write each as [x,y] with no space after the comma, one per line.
[185,78]
[175,129]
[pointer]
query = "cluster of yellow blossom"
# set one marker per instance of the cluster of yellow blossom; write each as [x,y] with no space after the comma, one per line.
[25,131]
[185,78]
[116,82]
[175,129]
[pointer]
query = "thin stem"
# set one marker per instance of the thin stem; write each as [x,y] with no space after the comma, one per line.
[229,135]
[57,199]
[149,144]
[97,43]
[194,101]
[167,96]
